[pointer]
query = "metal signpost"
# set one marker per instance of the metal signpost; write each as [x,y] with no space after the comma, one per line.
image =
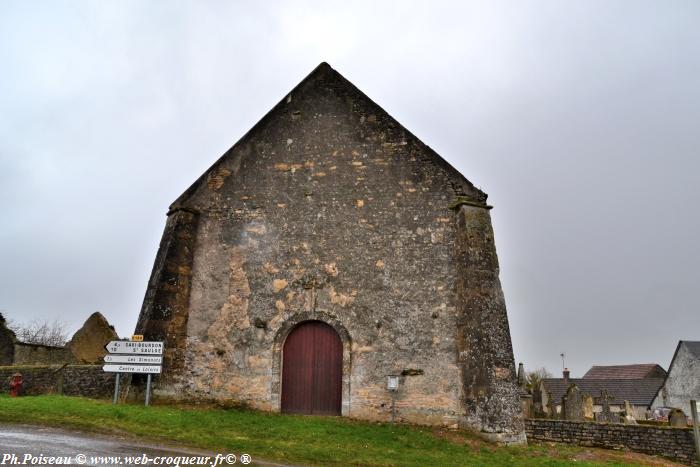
[134,356]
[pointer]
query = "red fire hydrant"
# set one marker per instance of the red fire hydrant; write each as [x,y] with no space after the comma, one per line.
[15,384]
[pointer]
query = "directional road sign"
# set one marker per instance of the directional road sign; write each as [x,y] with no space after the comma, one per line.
[141,348]
[142,359]
[126,368]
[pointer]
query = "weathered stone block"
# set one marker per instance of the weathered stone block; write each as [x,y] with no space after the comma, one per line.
[88,342]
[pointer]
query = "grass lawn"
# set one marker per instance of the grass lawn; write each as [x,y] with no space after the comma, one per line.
[295,439]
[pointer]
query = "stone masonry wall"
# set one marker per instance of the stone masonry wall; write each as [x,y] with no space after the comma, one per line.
[165,308]
[70,380]
[683,382]
[36,354]
[329,209]
[332,212]
[672,443]
[491,395]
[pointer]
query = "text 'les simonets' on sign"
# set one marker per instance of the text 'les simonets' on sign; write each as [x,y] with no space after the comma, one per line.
[141,348]
[137,359]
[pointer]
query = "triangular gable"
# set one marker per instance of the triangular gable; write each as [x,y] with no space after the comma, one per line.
[464,190]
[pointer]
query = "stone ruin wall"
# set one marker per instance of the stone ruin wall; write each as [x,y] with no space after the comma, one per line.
[37,354]
[64,370]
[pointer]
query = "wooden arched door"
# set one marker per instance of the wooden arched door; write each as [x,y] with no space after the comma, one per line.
[312,369]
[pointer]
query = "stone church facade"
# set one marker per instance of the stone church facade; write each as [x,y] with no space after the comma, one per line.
[326,250]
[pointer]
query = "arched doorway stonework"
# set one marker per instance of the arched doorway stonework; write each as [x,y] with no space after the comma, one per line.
[283,333]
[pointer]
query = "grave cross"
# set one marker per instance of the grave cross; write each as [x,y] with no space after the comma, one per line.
[604,400]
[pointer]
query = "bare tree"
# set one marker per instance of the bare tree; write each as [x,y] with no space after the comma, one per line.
[40,332]
[535,377]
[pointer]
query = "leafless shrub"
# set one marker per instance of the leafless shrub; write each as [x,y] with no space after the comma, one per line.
[40,332]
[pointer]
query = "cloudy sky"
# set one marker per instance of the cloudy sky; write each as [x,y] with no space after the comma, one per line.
[581,119]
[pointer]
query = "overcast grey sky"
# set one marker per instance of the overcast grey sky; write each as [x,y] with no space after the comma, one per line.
[581,119]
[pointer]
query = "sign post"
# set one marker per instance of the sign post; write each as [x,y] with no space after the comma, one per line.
[116,388]
[148,389]
[134,356]
[392,384]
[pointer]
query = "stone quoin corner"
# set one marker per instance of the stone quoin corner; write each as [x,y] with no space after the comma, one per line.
[327,250]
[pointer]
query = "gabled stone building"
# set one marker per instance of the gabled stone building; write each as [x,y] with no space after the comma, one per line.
[326,250]
[682,384]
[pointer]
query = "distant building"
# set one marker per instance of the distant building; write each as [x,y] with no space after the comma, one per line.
[637,371]
[640,392]
[683,380]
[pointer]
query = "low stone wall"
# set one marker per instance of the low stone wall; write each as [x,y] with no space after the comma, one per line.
[37,354]
[70,380]
[673,443]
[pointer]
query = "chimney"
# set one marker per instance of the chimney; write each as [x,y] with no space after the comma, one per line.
[566,375]
[521,375]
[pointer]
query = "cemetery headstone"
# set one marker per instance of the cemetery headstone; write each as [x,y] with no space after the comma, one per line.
[606,415]
[572,404]
[677,419]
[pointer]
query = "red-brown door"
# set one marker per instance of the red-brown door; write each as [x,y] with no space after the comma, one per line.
[312,368]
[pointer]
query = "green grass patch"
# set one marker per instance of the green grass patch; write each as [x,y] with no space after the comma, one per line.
[286,438]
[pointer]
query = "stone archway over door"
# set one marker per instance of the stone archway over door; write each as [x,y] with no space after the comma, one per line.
[312,370]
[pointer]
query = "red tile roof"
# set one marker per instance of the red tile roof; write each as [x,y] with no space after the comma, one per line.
[643,370]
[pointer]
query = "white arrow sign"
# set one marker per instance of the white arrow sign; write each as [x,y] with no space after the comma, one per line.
[142,348]
[131,368]
[142,359]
